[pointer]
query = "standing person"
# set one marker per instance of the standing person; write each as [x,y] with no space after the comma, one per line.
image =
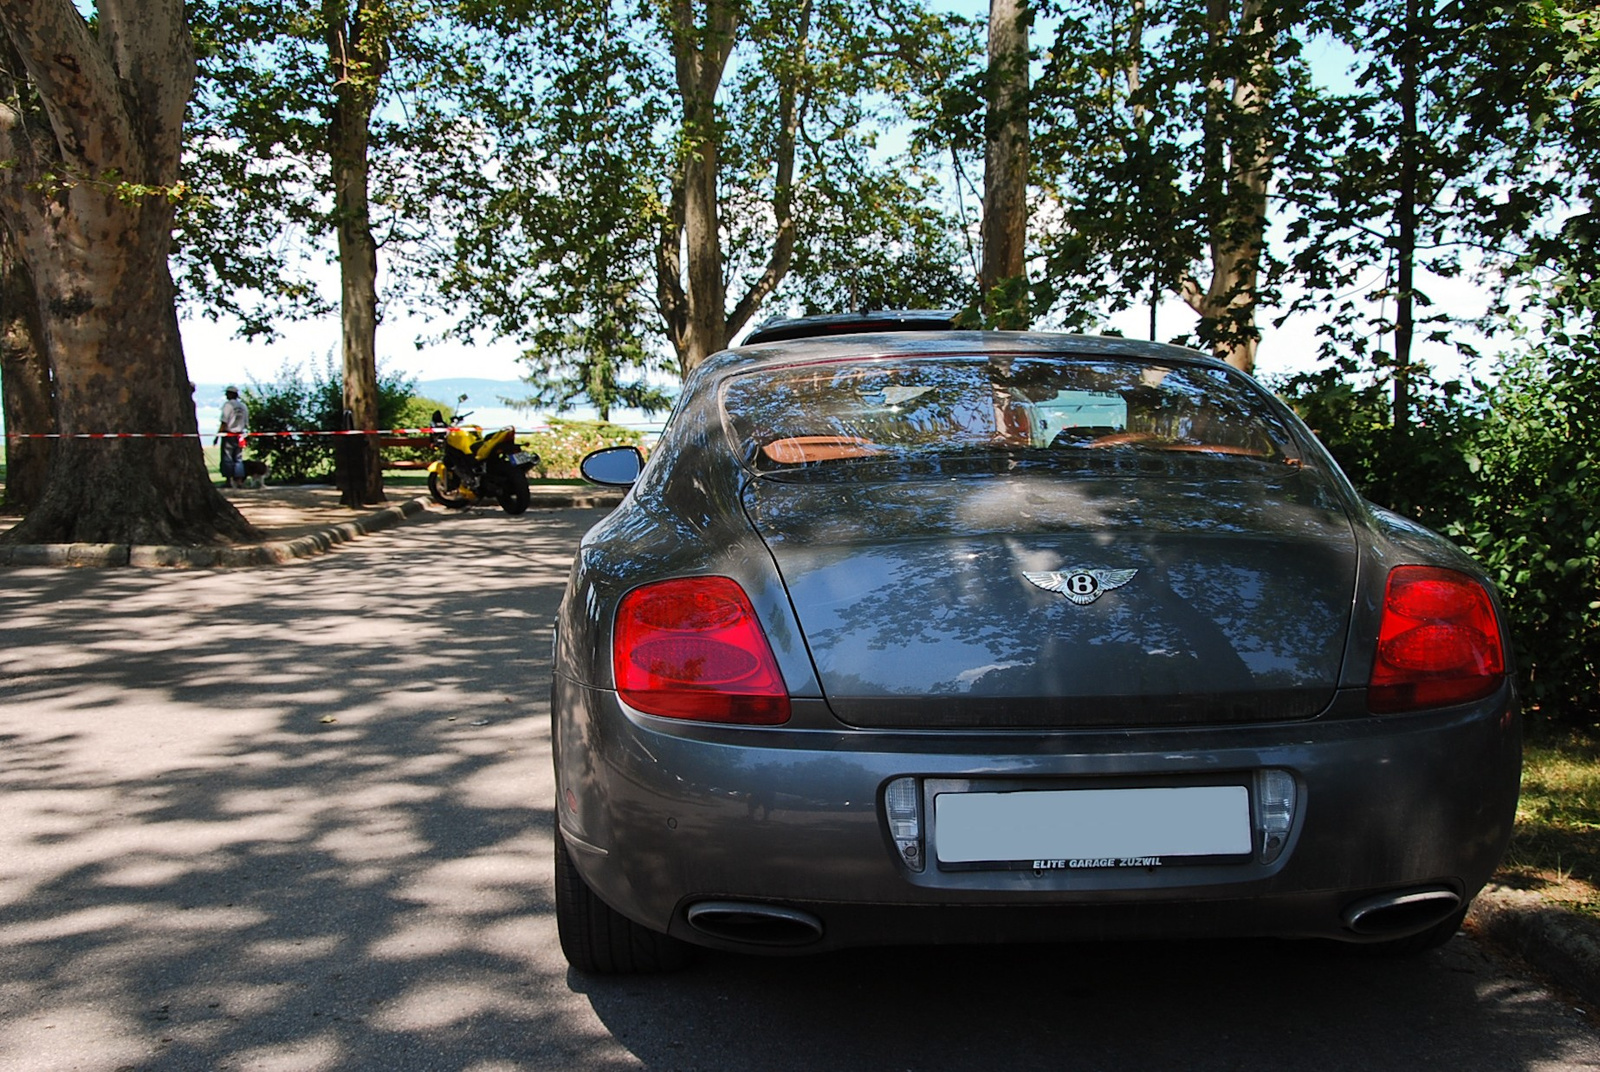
[230,432]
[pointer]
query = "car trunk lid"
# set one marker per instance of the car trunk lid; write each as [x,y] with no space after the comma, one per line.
[1205,594]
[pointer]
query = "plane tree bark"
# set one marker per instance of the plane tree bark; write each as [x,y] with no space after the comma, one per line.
[25,390]
[88,197]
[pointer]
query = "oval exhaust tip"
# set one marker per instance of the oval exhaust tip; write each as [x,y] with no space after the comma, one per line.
[755,924]
[1402,912]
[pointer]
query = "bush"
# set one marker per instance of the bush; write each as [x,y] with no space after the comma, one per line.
[1534,521]
[564,445]
[416,413]
[1426,475]
[292,403]
[1512,474]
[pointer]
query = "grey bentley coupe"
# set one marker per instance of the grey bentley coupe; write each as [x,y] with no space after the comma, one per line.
[910,634]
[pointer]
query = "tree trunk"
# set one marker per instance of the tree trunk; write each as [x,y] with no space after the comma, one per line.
[691,286]
[358,57]
[700,55]
[1238,166]
[95,239]
[28,396]
[706,291]
[1003,281]
[1406,211]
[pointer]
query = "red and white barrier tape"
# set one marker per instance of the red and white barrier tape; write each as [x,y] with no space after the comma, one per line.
[257,435]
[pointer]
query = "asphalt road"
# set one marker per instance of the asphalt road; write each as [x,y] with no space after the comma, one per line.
[299,818]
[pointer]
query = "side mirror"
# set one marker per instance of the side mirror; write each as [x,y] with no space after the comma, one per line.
[612,467]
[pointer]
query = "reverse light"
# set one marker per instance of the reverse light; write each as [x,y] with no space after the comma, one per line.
[1438,643]
[1275,801]
[902,806]
[692,648]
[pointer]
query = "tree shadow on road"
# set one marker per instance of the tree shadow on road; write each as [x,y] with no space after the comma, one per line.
[294,817]
[300,818]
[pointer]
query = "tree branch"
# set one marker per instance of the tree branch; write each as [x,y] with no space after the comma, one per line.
[77,83]
[783,194]
[669,268]
[149,47]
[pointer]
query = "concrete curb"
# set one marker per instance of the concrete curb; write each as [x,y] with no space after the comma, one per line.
[65,554]
[1562,944]
[271,552]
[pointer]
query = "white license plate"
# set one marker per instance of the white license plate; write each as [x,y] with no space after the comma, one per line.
[519,460]
[1092,827]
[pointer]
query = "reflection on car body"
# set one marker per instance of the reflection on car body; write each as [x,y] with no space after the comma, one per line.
[990,636]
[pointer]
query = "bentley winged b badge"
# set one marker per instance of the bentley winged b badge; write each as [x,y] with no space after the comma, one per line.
[1082,586]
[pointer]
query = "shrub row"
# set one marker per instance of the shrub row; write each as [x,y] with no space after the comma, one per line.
[1511,471]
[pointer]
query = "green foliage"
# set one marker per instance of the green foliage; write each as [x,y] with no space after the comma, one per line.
[1534,517]
[1149,124]
[1381,182]
[416,412]
[564,445]
[884,244]
[1423,471]
[572,237]
[293,403]
[261,143]
[1511,472]
[586,364]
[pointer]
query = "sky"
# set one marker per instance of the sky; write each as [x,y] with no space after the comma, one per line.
[215,356]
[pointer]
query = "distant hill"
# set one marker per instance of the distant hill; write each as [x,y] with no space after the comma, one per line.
[479,392]
[483,400]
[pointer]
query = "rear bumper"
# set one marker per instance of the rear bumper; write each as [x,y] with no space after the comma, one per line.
[662,816]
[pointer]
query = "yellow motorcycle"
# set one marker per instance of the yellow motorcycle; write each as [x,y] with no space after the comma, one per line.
[476,468]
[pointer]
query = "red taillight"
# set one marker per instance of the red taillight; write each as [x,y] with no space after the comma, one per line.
[692,648]
[1438,644]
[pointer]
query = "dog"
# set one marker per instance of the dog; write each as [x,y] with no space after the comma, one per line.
[255,473]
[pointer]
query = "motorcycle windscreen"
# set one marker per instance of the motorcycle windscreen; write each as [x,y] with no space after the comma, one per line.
[1008,584]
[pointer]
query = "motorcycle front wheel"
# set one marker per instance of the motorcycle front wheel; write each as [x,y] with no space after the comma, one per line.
[513,494]
[445,488]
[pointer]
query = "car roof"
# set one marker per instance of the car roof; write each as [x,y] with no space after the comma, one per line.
[779,329]
[930,343]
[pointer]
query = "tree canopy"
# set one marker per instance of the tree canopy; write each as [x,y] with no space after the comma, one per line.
[674,169]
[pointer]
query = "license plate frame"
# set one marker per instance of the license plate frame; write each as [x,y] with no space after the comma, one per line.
[990,829]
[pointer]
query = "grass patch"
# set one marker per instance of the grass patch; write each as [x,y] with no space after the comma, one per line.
[1555,848]
[405,478]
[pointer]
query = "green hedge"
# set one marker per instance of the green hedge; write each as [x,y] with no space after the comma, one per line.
[1510,470]
[562,447]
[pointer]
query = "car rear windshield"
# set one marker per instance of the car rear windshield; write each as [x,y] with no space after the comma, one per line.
[806,416]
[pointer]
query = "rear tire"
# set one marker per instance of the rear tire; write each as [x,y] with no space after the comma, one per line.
[514,495]
[597,939]
[446,490]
